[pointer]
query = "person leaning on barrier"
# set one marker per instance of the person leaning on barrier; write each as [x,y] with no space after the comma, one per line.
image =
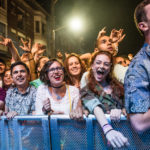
[137,79]
[55,96]
[20,99]
[103,94]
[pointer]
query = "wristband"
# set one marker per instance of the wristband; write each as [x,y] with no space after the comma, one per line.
[106,128]
[108,131]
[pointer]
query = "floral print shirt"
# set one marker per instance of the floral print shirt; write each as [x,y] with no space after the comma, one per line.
[137,82]
[23,104]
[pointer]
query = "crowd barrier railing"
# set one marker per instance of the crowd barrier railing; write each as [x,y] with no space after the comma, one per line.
[59,132]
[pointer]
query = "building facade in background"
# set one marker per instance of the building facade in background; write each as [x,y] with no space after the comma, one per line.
[22,19]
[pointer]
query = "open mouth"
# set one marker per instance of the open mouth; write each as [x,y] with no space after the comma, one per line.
[57,78]
[100,72]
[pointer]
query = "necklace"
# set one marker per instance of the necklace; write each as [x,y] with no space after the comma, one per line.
[58,97]
[57,86]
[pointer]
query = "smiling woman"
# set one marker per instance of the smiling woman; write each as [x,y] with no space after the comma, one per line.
[74,68]
[55,96]
[103,94]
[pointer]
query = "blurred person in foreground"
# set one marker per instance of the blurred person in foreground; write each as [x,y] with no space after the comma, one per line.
[137,79]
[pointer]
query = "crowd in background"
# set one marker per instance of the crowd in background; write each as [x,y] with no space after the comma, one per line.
[77,85]
[91,83]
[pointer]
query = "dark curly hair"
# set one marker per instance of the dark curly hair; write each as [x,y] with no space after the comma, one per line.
[19,63]
[44,72]
[66,65]
[117,88]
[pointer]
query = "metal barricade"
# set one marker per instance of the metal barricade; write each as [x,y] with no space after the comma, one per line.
[59,132]
[25,133]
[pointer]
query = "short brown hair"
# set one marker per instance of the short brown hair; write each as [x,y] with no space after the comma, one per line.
[139,13]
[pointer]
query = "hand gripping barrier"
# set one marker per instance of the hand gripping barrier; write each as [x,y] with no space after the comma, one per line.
[58,132]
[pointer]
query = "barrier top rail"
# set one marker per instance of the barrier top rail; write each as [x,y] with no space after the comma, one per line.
[57,116]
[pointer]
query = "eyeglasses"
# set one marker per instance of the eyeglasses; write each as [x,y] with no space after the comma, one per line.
[59,69]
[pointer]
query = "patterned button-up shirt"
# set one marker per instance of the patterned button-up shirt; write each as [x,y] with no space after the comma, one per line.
[137,82]
[23,104]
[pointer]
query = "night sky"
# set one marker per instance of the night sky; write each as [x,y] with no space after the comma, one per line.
[96,14]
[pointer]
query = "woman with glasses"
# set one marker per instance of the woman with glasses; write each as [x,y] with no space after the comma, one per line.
[103,94]
[55,96]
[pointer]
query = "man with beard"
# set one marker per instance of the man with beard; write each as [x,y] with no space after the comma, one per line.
[20,100]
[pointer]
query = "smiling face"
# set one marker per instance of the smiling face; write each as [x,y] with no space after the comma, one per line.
[74,66]
[20,76]
[101,67]
[56,74]
[7,78]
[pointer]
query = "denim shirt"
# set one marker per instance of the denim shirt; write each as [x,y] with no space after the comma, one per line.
[137,82]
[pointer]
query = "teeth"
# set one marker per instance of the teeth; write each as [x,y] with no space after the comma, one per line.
[100,72]
[20,79]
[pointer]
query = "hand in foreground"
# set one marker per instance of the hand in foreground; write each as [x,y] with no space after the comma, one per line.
[46,105]
[115,114]
[116,139]
[11,115]
[76,114]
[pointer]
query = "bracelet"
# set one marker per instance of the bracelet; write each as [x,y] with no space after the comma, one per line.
[106,128]
[105,125]
[108,131]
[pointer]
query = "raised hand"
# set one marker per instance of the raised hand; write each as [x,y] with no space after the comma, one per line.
[11,47]
[6,42]
[26,45]
[117,35]
[101,33]
[66,55]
